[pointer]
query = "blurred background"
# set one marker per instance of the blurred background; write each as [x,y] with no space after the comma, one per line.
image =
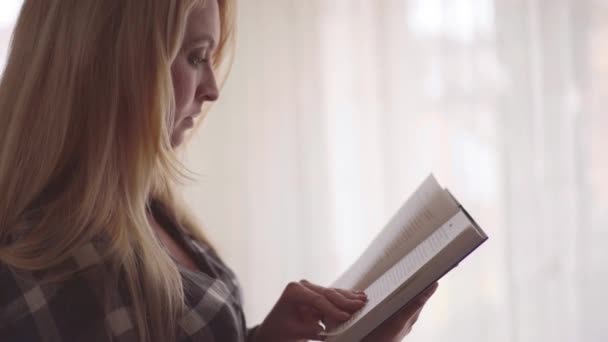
[336,110]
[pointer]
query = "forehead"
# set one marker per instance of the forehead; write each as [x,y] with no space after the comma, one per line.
[204,21]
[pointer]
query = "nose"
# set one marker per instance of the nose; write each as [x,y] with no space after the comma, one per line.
[207,89]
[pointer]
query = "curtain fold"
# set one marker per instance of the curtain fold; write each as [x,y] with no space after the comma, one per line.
[336,110]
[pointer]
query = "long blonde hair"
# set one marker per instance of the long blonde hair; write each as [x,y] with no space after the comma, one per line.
[86,107]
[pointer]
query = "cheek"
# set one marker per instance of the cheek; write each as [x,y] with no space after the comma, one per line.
[183,87]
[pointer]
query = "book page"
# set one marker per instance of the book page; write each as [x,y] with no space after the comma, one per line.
[426,210]
[403,272]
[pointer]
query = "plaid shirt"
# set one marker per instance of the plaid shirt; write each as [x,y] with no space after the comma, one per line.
[73,310]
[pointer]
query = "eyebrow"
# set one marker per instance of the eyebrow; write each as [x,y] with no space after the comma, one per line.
[201,38]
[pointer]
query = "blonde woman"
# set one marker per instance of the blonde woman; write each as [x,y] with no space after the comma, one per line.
[94,245]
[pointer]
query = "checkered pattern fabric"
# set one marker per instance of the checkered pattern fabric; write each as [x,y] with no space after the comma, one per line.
[73,310]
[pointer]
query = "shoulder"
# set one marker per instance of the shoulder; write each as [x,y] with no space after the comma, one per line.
[33,308]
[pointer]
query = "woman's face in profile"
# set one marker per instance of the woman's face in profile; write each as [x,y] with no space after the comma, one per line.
[192,73]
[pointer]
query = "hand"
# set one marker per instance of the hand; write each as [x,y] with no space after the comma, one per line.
[302,305]
[400,324]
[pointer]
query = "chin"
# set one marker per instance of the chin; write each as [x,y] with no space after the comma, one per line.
[180,130]
[177,138]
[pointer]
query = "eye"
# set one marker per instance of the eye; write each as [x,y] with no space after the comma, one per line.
[199,56]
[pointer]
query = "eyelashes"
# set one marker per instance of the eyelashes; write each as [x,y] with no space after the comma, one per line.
[198,57]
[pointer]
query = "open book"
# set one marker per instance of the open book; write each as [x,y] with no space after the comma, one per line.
[429,235]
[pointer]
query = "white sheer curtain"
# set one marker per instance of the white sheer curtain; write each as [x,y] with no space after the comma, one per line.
[337,109]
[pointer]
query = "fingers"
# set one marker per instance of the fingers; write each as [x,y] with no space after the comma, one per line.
[336,305]
[310,331]
[415,317]
[354,295]
[426,294]
[415,306]
[401,323]
[345,300]
[431,289]
[302,295]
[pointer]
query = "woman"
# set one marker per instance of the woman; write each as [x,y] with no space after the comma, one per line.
[94,244]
